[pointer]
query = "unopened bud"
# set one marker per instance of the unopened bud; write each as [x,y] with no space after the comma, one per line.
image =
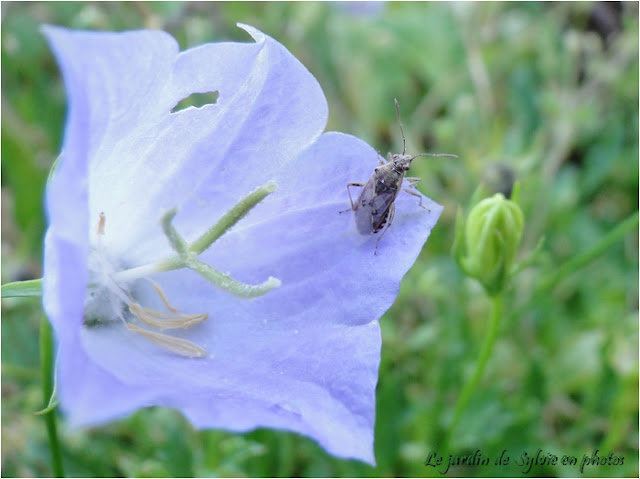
[490,237]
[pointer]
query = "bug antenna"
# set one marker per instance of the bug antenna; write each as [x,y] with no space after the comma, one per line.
[404,142]
[445,155]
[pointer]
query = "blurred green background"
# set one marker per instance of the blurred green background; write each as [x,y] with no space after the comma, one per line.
[547,91]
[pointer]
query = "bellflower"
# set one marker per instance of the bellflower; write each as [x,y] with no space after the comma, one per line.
[196,259]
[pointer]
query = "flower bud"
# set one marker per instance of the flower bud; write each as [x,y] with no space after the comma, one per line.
[486,245]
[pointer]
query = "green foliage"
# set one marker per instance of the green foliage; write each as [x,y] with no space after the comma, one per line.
[546,91]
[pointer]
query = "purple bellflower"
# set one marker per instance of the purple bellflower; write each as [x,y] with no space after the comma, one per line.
[164,289]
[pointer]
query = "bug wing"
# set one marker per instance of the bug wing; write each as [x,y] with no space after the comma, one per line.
[364,211]
[385,195]
[380,209]
[372,208]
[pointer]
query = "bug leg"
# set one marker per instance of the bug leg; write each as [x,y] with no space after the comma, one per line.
[381,159]
[413,180]
[361,185]
[392,212]
[416,194]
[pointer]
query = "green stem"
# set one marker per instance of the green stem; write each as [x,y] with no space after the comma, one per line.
[485,354]
[47,369]
[579,261]
[623,408]
[583,259]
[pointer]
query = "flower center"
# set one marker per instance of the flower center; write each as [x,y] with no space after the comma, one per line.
[110,298]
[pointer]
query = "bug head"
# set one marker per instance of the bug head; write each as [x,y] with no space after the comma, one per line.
[402,162]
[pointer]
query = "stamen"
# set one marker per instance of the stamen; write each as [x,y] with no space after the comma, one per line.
[179,346]
[163,297]
[162,321]
[101,223]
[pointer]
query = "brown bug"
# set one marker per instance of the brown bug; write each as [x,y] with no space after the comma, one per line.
[375,207]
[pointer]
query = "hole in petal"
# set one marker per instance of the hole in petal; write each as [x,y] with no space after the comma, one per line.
[198,100]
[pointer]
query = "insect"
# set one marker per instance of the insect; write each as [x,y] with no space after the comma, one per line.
[375,207]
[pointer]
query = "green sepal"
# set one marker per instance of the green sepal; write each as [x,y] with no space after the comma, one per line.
[21,289]
[53,403]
